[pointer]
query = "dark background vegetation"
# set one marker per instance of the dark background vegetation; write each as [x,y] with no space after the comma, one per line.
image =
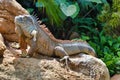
[97,22]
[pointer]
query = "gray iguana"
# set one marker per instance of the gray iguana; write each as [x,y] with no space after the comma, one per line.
[40,40]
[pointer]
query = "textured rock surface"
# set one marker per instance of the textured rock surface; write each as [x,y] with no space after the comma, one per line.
[2,46]
[85,67]
[8,10]
[116,77]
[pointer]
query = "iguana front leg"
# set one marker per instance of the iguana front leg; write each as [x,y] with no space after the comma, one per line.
[32,49]
[59,51]
[33,45]
[23,44]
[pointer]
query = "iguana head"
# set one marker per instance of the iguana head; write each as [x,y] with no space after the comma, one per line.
[24,20]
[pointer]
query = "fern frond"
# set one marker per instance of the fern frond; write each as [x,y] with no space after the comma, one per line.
[52,10]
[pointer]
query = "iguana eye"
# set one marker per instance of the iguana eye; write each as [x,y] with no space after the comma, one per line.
[30,20]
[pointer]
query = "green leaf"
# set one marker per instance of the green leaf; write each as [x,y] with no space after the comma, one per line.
[104,1]
[116,46]
[108,63]
[118,63]
[87,27]
[103,40]
[39,4]
[30,10]
[118,53]
[118,39]
[112,71]
[70,9]
[107,57]
[60,1]
[92,44]
[106,49]
[85,37]
[110,43]
[86,4]
[53,12]
[77,10]
[95,1]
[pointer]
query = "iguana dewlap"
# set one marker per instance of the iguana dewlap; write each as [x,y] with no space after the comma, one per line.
[45,42]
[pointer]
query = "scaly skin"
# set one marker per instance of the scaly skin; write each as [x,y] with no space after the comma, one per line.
[45,43]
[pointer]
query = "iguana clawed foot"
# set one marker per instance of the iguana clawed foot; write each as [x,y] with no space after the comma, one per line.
[24,54]
[66,59]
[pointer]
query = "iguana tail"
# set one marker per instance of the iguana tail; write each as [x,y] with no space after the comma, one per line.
[78,47]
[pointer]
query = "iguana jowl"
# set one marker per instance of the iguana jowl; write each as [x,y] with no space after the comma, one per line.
[41,40]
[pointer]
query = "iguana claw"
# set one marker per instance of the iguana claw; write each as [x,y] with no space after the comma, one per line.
[24,54]
[66,58]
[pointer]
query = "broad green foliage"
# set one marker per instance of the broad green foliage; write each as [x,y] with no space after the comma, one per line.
[30,10]
[75,10]
[86,26]
[111,18]
[90,3]
[107,49]
[68,9]
[96,1]
[58,10]
[54,13]
[58,14]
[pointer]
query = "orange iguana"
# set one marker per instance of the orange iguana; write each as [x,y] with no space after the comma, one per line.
[41,40]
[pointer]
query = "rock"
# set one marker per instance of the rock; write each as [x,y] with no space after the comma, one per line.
[2,46]
[8,10]
[84,67]
[116,77]
[11,37]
